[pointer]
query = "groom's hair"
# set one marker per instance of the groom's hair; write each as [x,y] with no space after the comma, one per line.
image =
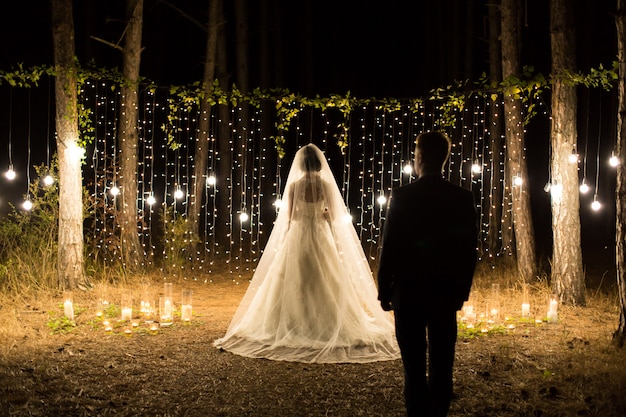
[310,162]
[434,148]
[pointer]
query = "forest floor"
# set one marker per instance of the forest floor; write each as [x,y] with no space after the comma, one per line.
[516,367]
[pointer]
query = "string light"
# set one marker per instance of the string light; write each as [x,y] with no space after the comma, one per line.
[573,157]
[10,173]
[613,160]
[596,205]
[584,188]
[381,200]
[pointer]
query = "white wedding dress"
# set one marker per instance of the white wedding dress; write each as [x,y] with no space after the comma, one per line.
[313,297]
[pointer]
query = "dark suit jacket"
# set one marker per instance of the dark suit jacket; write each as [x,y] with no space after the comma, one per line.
[429,244]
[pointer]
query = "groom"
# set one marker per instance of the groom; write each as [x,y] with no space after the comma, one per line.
[425,274]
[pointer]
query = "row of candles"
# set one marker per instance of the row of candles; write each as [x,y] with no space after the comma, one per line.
[492,312]
[147,309]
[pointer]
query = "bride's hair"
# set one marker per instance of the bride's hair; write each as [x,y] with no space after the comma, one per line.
[310,161]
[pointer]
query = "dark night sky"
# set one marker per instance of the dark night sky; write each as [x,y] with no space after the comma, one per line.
[372,49]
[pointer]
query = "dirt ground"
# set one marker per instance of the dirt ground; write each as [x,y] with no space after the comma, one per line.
[520,367]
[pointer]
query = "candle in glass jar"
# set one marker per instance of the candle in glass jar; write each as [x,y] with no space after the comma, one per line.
[68,309]
[185,312]
[525,310]
[553,309]
[127,313]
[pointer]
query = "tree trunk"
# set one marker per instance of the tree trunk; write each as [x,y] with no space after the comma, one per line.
[132,252]
[202,141]
[70,241]
[619,337]
[516,160]
[568,280]
[494,243]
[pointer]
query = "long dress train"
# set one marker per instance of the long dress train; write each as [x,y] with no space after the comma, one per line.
[313,296]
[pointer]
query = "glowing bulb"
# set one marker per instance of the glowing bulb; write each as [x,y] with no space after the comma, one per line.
[150,200]
[178,194]
[613,161]
[584,188]
[243,217]
[347,218]
[517,181]
[75,152]
[48,180]
[595,206]
[476,168]
[10,174]
[573,158]
[211,180]
[547,187]
[556,191]
[27,204]
[115,191]
[407,169]
[278,203]
[381,200]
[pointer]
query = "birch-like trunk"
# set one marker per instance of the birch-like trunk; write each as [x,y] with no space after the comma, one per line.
[70,154]
[128,137]
[516,168]
[568,279]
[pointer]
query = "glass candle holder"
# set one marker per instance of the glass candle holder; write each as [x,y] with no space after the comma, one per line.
[185,309]
[166,311]
[525,301]
[553,309]
[127,305]
[68,305]
[167,289]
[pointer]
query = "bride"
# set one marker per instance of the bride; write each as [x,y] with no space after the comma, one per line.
[312,297]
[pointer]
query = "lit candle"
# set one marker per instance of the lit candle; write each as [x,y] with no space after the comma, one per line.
[553,310]
[185,312]
[127,313]
[525,310]
[154,329]
[107,326]
[128,332]
[68,308]
[165,306]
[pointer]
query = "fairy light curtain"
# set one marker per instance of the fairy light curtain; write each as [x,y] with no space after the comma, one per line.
[378,158]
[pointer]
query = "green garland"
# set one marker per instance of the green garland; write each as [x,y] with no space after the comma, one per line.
[527,87]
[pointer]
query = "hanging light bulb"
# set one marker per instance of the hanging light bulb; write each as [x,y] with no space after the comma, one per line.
[347,218]
[573,157]
[595,206]
[613,160]
[48,180]
[178,194]
[27,204]
[547,187]
[407,169]
[10,174]
[114,191]
[211,180]
[150,200]
[278,203]
[477,168]
[584,188]
[381,200]
[243,217]
[517,181]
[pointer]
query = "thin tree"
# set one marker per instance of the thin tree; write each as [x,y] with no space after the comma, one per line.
[619,337]
[516,169]
[203,133]
[128,136]
[494,242]
[70,241]
[568,280]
